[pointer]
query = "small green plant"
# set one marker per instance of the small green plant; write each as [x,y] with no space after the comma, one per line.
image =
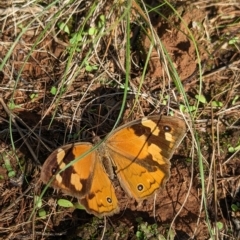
[216,104]
[187,110]
[201,98]
[54,90]
[232,149]
[79,206]
[33,96]
[7,165]
[60,202]
[76,38]
[235,99]
[64,27]
[234,41]
[38,201]
[12,105]
[92,31]
[235,207]
[90,68]
[145,230]
[165,100]
[220,226]
[64,203]
[42,213]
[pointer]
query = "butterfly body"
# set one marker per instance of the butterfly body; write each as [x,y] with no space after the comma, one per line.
[139,152]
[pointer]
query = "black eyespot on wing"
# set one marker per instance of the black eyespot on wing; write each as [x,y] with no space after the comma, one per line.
[54,170]
[167,128]
[109,200]
[140,187]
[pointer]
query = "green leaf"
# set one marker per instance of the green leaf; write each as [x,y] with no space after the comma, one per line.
[201,98]
[220,225]
[101,21]
[187,110]
[11,174]
[233,41]
[38,201]
[64,203]
[102,18]
[76,38]
[182,108]
[7,163]
[12,105]
[192,108]
[231,149]
[216,104]
[33,95]
[42,213]
[140,235]
[92,31]
[235,99]
[88,68]
[64,27]
[79,206]
[53,90]
[235,207]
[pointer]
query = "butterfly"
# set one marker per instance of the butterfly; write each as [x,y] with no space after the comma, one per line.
[138,154]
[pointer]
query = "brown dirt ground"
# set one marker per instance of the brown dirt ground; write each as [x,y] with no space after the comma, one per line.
[179,201]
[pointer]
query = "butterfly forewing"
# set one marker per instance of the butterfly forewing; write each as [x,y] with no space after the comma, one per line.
[75,179]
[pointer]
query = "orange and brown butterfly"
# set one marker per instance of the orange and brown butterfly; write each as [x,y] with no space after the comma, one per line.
[139,151]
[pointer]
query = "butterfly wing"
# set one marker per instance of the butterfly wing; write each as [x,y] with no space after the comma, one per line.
[85,179]
[141,151]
